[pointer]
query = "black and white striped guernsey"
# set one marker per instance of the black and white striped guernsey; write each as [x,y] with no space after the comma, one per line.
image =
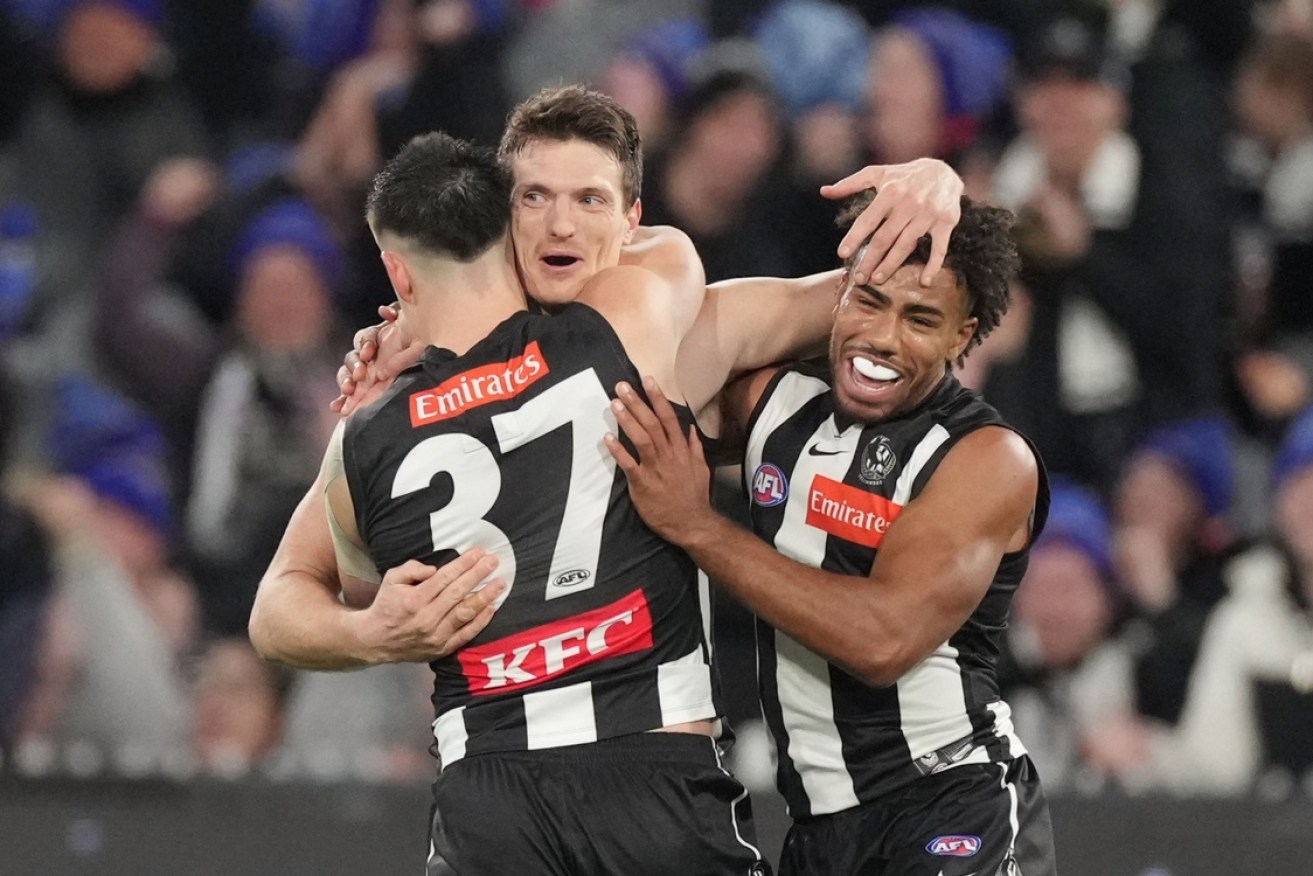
[824,492]
[601,632]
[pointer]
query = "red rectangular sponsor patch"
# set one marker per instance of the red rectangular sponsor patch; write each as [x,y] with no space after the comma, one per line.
[478,386]
[851,514]
[540,654]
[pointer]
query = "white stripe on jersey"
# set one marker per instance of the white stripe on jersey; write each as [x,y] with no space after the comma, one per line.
[802,676]
[794,391]
[684,686]
[563,716]
[925,449]
[704,606]
[449,731]
[1013,821]
[932,705]
[1004,729]
[734,807]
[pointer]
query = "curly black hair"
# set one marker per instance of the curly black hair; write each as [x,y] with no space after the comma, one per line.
[981,251]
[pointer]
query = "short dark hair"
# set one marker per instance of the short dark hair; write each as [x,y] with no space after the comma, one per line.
[451,197]
[981,251]
[573,112]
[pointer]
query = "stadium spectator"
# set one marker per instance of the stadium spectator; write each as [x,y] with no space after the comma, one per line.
[1115,249]
[1064,673]
[264,417]
[237,708]
[1172,537]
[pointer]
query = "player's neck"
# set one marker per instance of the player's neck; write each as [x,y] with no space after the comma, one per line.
[459,303]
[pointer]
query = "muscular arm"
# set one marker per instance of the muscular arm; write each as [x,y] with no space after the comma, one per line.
[298,618]
[752,323]
[416,614]
[933,568]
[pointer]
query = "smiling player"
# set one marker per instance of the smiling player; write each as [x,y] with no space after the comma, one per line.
[893,512]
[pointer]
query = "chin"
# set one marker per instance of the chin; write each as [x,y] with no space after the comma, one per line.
[556,293]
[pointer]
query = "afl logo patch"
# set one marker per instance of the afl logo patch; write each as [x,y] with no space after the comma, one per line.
[570,579]
[954,845]
[878,461]
[769,487]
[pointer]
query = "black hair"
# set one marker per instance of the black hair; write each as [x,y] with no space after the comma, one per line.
[451,197]
[981,251]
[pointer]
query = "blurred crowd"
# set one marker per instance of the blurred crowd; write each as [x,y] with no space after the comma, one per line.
[182,261]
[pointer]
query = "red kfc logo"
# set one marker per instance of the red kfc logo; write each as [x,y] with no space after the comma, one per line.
[540,654]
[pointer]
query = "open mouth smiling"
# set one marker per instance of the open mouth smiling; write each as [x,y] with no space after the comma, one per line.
[872,376]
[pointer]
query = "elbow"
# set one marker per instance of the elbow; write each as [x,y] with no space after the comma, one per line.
[873,674]
[257,630]
[882,667]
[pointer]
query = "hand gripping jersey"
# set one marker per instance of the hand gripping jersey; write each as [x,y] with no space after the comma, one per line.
[825,492]
[600,633]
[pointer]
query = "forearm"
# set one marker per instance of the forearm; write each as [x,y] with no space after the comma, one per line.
[831,614]
[298,617]
[775,320]
[296,620]
[752,323]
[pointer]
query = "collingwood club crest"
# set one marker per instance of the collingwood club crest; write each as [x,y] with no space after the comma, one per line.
[878,461]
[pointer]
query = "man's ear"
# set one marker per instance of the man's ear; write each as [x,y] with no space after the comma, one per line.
[634,217]
[398,275]
[964,334]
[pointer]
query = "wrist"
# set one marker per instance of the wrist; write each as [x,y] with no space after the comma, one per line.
[360,642]
[701,532]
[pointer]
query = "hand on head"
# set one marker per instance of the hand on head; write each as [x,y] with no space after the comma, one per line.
[912,200]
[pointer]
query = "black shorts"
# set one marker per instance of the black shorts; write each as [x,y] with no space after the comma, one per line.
[985,819]
[648,804]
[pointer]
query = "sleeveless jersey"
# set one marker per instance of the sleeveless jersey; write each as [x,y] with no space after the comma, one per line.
[601,631]
[824,492]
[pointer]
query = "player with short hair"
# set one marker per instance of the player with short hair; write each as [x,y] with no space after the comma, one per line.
[491,447]
[892,512]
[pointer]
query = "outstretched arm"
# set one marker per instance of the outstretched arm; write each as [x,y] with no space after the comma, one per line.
[933,568]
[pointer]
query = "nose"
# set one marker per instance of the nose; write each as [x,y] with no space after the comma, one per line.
[882,331]
[560,222]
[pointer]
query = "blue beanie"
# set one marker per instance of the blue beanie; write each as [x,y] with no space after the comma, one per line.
[974,60]
[1077,518]
[668,48]
[290,222]
[117,451]
[321,34]
[816,52]
[1296,451]
[90,422]
[1201,448]
[136,481]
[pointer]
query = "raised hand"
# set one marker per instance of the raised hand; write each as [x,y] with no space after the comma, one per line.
[913,199]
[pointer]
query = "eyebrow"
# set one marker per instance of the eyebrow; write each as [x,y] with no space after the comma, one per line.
[882,298]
